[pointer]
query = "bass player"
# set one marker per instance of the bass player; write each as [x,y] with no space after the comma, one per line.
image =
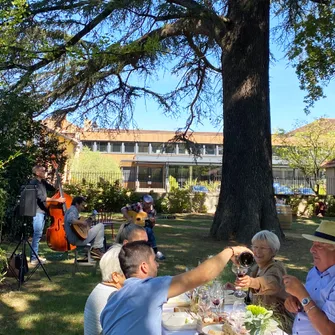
[79,232]
[145,206]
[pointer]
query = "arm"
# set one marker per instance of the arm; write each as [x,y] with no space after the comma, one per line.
[205,272]
[51,188]
[269,283]
[61,200]
[316,316]
[124,211]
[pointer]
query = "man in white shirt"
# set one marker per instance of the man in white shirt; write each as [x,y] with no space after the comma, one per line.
[314,303]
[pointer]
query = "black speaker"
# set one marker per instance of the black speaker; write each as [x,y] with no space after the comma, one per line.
[28,201]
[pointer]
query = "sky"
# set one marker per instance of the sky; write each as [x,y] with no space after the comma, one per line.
[286,98]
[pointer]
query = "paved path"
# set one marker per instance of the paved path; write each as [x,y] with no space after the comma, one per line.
[181,226]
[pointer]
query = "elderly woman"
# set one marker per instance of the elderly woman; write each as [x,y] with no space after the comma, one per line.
[265,283]
[112,281]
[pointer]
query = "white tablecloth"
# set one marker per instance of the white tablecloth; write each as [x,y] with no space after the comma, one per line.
[227,308]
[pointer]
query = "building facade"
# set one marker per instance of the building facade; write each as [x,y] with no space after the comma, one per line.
[148,158]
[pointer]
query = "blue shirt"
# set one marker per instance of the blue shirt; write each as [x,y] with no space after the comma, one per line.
[321,288]
[136,309]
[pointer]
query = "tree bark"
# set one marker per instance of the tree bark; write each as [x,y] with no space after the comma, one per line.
[246,203]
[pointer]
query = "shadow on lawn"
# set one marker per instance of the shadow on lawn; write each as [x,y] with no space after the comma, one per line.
[44,307]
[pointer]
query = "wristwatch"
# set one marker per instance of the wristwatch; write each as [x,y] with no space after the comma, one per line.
[305,301]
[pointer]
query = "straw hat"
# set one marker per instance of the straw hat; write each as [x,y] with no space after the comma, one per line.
[325,233]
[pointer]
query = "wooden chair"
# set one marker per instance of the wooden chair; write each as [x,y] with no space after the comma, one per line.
[82,257]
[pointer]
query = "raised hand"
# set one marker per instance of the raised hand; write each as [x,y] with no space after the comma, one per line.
[244,281]
[294,287]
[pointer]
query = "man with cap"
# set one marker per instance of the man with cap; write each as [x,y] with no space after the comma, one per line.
[146,206]
[314,303]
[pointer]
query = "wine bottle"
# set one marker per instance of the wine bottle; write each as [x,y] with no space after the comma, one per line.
[246,259]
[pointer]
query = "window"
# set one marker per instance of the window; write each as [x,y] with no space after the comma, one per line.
[88,144]
[129,147]
[157,174]
[143,147]
[210,149]
[129,174]
[182,149]
[170,148]
[220,150]
[150,174]
[102,146]
[277,173]
[157,148]
[116,147]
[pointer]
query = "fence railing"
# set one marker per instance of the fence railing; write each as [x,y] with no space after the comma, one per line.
[282,186]
[93,177]
[305,186]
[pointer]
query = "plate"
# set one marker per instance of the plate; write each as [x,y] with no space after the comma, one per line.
[181,300]
[178,321]
[216,327]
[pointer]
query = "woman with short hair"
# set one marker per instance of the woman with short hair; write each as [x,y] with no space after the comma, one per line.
[112,281]
[265,283]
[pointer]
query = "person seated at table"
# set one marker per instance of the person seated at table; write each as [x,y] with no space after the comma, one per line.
[95,234]
[146,206]
[130,232]
[314,302]
[137,308]
[112,280]
[265,284]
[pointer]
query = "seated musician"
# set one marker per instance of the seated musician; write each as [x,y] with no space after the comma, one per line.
[146,206]
[95,234]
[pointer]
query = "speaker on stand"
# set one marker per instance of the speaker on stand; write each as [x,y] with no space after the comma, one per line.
[27,208]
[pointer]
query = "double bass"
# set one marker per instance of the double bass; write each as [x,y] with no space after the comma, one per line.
[56,237]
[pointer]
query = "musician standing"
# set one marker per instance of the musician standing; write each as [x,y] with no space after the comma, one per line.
[95,234]
[42,186]
[146,205]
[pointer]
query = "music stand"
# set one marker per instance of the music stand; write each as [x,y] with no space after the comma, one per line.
[27,205]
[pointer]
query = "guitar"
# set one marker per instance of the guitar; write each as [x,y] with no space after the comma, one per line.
[138,218]
[82,229]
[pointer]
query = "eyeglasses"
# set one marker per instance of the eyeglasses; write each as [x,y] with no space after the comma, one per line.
[255,248]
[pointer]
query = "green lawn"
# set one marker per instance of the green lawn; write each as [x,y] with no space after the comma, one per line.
[56,307]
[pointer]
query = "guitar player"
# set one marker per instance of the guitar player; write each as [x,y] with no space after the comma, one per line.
[146,206]
[95,234]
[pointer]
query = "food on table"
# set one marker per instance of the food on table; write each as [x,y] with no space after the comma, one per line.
[215,332]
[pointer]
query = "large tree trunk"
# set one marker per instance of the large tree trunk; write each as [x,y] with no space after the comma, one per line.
[246,203]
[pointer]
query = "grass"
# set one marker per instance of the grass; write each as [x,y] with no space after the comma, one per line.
[56,307]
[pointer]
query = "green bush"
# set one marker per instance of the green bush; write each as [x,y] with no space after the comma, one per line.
[198,203]
[173,183]
[3,264]
[104,196]
[330,201]
[178,201]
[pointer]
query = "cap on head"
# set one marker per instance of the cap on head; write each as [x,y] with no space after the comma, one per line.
[148,199]
[325,233]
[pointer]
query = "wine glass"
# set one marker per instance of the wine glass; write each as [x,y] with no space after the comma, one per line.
[240,272]
[217,295]
[204,301]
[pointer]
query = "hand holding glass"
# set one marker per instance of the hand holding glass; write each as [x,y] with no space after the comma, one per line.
[240,271]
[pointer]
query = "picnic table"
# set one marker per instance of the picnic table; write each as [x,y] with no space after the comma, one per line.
[227,308]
